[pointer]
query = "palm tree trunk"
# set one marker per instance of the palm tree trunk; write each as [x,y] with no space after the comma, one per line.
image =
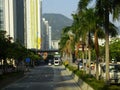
[83,56]
[97,54]
[89,52]
[89,56]
[107,42]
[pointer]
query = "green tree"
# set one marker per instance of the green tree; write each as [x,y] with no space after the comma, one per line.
[115,49]
[4,45]
[104,7]
[66,46]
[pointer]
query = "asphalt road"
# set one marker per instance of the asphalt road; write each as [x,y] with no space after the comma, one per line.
[45,78]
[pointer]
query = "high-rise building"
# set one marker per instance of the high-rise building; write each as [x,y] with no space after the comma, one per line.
[45,36]
[49,36]
[14,19]
[19,23]
[1,15]
[21,19]
[9,19]
[33,23]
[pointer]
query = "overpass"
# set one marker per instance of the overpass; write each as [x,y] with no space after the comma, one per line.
[42,51]
[54,50]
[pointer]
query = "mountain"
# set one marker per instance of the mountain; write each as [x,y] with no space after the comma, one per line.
[57,22]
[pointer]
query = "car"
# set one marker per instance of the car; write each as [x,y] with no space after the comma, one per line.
[50,62]
[56,61]
[114,72]
[80,66]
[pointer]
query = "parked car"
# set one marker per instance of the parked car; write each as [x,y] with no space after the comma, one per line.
[50,62]
[57,61]
[81,66]
[114,73]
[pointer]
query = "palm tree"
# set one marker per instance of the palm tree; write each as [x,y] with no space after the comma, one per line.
[82,25]
[107,7]
[104,7]
[78,32]
[66,42]
[89,19]
[62,44]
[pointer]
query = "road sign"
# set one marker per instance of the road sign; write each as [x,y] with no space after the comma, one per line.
[27,60]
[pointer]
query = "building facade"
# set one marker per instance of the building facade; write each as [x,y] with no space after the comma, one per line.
[21,19]
[13,19]
[9,21]
[1,15]
[33,23]
[19,23]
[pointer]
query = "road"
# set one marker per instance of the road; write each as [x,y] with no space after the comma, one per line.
[45,78]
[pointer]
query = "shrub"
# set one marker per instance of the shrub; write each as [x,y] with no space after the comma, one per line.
[72,68]
[113,87]
[66,62]
[91,80]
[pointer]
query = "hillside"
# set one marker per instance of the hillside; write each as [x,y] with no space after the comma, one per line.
[57,22]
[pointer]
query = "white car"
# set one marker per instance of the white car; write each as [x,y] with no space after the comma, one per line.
[114,72]
[56,61]
[80,66]
[50,62]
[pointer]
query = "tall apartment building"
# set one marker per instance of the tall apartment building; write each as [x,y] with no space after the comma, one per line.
[50,40]
[19,23]
[1,15]
[33,23]
[9,13]
[46,32]
[21,19]
[13,19]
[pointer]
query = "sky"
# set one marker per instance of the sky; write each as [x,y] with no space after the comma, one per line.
[64,7]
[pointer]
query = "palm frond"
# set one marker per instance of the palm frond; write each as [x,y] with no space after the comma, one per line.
[113,30]
[116,8]
[83,4]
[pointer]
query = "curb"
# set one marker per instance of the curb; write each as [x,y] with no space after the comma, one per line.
[83,85]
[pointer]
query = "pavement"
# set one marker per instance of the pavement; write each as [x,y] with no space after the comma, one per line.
[45,78]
